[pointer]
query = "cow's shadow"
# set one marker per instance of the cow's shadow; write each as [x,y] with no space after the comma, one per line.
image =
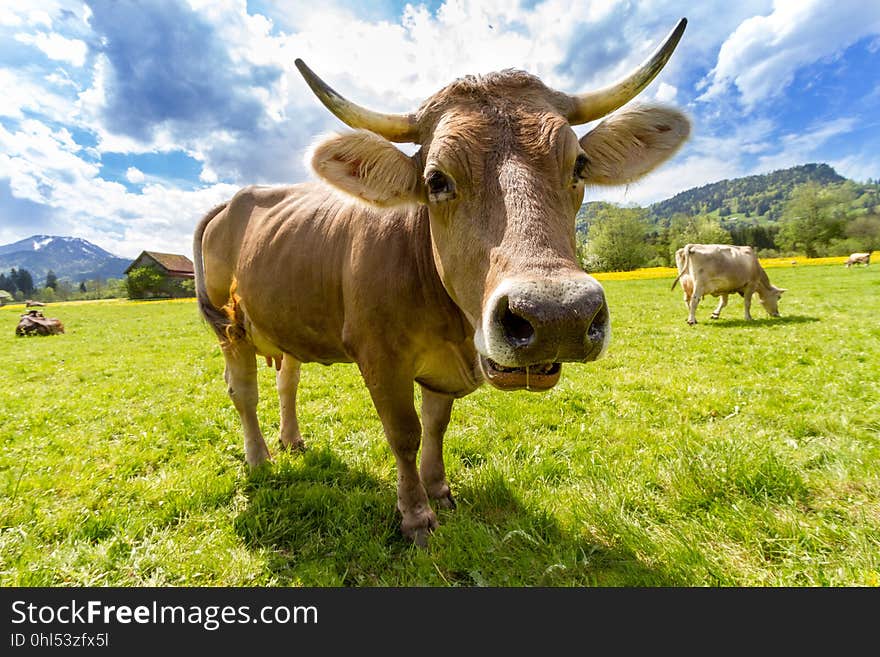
[320,522]
[758,322]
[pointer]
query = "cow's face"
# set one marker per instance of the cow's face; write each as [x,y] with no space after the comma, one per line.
[502,175]
[770,299]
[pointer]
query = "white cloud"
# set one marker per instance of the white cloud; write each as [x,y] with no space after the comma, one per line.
[859,167]
[666,93]
[23,93]
[57,47]
[763,54]
[43,166]
[807,145]
[39,17]
[134,175]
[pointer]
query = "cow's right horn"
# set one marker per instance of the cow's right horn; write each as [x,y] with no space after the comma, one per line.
[394,127]
[594,105]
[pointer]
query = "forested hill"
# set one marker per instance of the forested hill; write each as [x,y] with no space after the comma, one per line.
[808,209]
[761,196]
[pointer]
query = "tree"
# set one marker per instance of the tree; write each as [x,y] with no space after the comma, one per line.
[865,230]
[23,281]
[51,279]
[143,282]
[82,287]
[617,240]
[699,229]
[810,219]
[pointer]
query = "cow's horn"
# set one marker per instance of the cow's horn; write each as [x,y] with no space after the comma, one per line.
[594,105]
[396,127]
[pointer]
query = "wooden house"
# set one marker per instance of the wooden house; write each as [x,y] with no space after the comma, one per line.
[176,271]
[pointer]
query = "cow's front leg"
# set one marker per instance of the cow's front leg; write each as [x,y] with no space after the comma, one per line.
[393,399]
[287,381]
[721,305]
[242,386]
[436,411]
[747,304]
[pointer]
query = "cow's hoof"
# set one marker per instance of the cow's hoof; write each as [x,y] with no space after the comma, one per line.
[714,316]
[417,526]
[446,502]
[420,538]
[258,457]
[295,445]
[691,323]
[441,495]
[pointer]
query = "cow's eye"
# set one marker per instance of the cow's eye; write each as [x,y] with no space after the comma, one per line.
[440,187]
[580,167]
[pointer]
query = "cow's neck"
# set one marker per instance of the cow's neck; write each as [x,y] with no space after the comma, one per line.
[436,296]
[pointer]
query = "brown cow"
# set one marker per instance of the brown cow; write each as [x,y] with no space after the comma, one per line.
[858,259]
[445,268]
[719,270]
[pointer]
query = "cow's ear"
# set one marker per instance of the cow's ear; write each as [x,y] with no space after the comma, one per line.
[632,142]
[368,167]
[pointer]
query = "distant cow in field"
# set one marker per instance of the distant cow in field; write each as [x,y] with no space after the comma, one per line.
[447,268]
[31,304]
[858,259]
[719,270]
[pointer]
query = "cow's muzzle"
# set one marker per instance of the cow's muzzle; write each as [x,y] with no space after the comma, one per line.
[530,327]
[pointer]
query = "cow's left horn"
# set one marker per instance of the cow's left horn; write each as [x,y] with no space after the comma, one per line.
[395,127]
[594,105]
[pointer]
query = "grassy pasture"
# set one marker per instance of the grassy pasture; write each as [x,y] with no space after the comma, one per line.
[724,454]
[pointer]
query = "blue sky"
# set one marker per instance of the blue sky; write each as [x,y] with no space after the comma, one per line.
[123,121]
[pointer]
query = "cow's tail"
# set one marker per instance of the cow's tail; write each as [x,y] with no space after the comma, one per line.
[680,274]
[684,266]
[221,320]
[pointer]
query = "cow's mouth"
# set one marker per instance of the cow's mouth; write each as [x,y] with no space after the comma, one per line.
[536,378]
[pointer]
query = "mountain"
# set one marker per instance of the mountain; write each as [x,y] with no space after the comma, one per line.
[754,200]
[71,258]
[761,196]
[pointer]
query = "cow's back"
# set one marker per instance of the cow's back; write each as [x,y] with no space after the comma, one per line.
[722,268]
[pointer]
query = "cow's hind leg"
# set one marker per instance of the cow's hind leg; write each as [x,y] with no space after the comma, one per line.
[393,399]
[696,297]
[722,302]
[436,410]
[242,386]
[287,382]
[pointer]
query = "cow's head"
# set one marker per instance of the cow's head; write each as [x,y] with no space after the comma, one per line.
[770,297]
[502,175]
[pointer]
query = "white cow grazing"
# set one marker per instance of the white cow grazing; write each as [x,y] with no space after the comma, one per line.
[858,259]
[719,270]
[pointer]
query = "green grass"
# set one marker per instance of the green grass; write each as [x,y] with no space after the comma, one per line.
[724,454]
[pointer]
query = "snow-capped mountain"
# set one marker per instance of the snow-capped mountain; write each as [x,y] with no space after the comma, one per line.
[71,258]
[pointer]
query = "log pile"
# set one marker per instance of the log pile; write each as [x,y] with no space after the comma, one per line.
[33,322]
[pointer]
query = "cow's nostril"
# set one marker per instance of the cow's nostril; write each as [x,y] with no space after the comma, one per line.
[518,331]
[599,323]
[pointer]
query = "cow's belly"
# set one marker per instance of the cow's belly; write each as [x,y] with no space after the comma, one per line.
[274,333]
[718,286]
